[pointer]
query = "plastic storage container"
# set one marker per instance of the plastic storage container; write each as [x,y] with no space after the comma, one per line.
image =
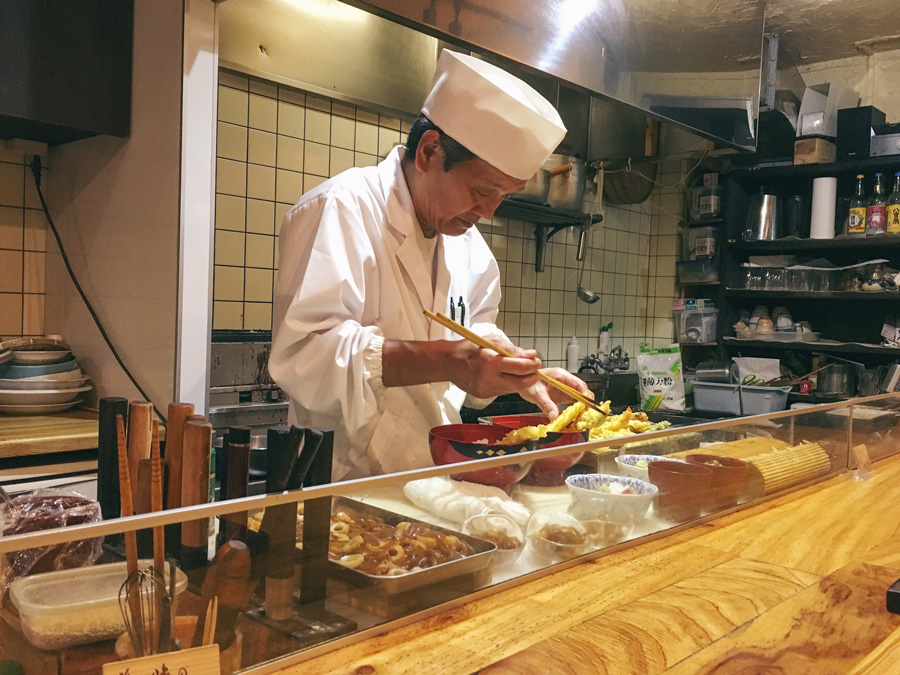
[700,243]
[696,325]
[760,400]
[77,606]
[697,271]
[717,397]
[705,202]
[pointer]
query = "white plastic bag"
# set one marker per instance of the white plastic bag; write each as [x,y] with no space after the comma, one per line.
[659,374]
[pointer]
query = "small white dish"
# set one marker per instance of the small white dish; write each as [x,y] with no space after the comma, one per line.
[26,410]
[40,397]
[589,495]
[635,466]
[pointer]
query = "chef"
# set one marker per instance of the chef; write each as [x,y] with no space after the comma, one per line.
[365,253]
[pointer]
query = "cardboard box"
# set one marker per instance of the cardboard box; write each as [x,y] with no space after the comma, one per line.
[814,151]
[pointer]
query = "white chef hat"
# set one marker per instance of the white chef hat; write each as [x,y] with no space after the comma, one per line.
[494,115]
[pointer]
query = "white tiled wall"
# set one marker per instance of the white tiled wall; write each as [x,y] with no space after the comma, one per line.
[23,245]
[274,143]
[630,264]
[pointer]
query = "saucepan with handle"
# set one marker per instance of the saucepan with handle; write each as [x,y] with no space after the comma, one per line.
[537,188]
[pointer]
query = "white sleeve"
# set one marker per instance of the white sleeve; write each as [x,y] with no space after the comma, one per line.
[322,355]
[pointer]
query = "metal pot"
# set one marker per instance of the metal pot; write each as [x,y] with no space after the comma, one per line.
[764,219]
[838,379]
[535,190]
[567,186]
[713,371]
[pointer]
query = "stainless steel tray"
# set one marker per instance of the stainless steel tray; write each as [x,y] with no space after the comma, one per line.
[481,559]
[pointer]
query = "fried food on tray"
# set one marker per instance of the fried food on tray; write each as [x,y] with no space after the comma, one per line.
[626,424]
[576,418]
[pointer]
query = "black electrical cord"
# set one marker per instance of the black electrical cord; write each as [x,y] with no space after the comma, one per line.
[36,172]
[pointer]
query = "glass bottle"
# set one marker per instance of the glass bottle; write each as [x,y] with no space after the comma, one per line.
[876,213]
[856,224]
[893,209]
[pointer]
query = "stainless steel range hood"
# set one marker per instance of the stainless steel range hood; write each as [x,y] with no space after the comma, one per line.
[702,62]
[330,48]
[633,51]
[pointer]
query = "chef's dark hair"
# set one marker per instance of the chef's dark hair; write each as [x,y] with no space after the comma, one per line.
[454,152]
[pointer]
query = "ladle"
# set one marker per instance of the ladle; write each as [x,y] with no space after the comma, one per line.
[584,294]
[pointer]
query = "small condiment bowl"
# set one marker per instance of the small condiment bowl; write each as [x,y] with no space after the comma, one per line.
[587,492]
[635,466]
[554,537]
[607,527]
[500,530]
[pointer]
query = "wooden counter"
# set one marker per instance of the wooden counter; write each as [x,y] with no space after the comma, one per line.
[42,434]
[794,585]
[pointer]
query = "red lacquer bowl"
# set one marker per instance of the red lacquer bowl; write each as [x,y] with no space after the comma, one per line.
[455,443]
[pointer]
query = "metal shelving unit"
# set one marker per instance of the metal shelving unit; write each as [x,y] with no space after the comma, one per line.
[811,295]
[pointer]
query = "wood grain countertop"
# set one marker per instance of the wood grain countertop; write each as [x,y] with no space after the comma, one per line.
[793,585]
[42,434]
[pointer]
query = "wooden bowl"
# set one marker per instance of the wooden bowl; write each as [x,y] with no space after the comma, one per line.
[683,489]
[728,480]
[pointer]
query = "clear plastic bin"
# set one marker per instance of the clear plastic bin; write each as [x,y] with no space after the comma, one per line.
[696,325]
[717,397]
[700,243]
[697,271]
[761,400]
[74,607]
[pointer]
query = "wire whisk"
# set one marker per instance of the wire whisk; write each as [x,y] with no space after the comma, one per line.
[145,606]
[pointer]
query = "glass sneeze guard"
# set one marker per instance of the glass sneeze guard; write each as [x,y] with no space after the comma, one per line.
[396,548]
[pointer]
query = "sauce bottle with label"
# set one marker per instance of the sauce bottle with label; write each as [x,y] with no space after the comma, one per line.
[876,213]
[856,223]
[893,209]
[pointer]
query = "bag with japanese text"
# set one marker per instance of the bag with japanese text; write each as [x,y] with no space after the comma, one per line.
[659,374]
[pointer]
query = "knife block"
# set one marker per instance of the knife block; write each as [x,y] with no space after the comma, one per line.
[316,526]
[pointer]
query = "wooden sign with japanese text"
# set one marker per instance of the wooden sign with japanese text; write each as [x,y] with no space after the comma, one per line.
[196,661]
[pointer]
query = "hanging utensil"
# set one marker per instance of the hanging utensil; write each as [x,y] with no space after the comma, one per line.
[584,294]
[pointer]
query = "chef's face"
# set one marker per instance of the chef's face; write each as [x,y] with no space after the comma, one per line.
[451,201]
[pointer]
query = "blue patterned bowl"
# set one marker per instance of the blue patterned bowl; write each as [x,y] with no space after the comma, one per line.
[630,465]
[586,491]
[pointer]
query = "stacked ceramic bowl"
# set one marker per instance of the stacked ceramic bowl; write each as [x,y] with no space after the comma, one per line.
[39,376]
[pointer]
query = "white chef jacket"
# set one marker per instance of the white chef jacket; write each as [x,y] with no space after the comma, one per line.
[356,269]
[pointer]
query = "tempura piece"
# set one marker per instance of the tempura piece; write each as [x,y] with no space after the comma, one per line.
[525,434]
[566,417]
[591,418]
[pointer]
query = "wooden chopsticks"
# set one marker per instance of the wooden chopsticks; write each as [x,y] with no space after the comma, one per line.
[459,329]
[209,625]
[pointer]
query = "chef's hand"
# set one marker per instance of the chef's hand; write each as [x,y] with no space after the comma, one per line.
[546,397]
[484,373]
